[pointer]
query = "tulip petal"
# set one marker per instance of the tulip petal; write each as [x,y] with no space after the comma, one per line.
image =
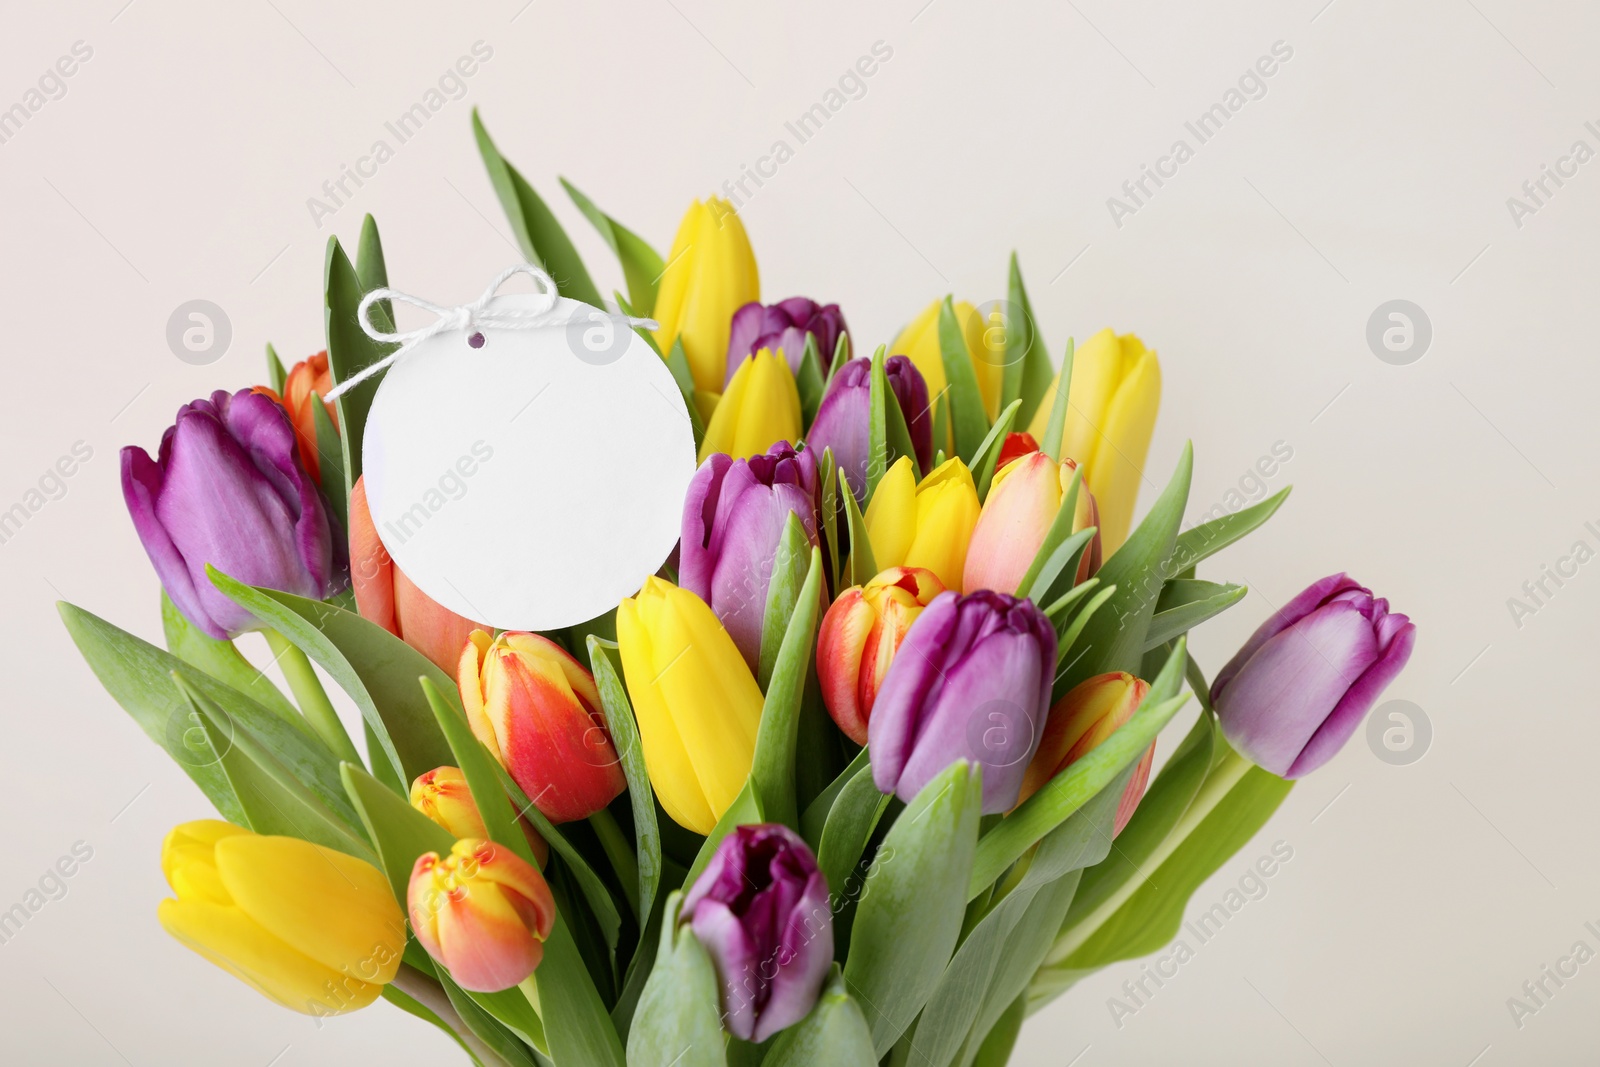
[1307,601]
[1347,715]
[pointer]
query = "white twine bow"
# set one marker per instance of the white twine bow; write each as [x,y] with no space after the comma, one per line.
[464,317]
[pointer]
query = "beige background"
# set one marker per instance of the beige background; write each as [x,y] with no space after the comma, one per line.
[1377,166]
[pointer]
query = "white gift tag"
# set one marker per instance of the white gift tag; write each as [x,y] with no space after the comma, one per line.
[529,478]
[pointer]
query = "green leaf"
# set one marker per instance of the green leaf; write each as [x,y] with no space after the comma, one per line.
[500,1038]
[376,669]
[852,818]
[1057,426]
[1186,603]
[909,916]
[862,564]
[841,356]
[679,1019]
[350,351]
[370,267]
[1114,638]
[411,1006]
[790,563]
[941,427]
[817,812]
[808,382]
[1002,1036]
[678,364]
[624,729]
[277,377]
[1072,788]
[1058,571]
[889,437]
[575,1019]
[1209,538]
[835,1033]
[222,660]
[1073,630]
[772,770]
[330,456]
[1028,370]
[966,401]
[642,267]
[481,772]
[1059,533]
[538,233]
[828,520]
[983,464]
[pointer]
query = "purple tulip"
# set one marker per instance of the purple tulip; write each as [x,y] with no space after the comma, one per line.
[784,325]
[1293,695]
[841,422]
[228,489]
[972,681]
[761,909]
[733,519]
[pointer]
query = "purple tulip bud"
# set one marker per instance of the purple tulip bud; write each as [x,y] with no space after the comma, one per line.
[228,489]
[841,422]
[784,325]
[733,519]
[761,910]
[1293,695]
[971,681]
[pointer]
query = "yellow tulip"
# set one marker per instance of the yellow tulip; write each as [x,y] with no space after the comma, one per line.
[760,408]
[710,274]
[316,930]
[985,348]
[1114,394]
[697,704]
[925,525]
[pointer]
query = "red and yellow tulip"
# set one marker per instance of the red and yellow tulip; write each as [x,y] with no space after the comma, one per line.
[482,911]
[443,795]
[1091,712]
[858,639]
[1022,504]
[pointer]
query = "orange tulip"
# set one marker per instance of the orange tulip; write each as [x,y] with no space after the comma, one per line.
[443,795]
[308,376]
[483,912]
[1091,712]
[538,711]
[858,639]
[384,594]
[1021,506]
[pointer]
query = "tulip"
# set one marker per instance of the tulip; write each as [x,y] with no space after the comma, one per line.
[710,274]
[924,525]
[385,595]
[733,520]
[782,328]
[1091,712]
[537,710]
[313,929]
[483,912]
[228,489]
[842,419]
[308,376]
[1292,696]
[762,911]
[695,699]
[858,639]
[985,348]
[971,681]
[1022,504]
[443,795]
[1015,446]
[760,408]
[1115,391]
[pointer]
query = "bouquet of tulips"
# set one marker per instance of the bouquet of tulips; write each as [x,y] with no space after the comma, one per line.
[838,785]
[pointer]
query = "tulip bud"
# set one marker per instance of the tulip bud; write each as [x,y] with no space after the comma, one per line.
[710,273]
[760,407]
[443,795]
[1292,696]
[228,489]
[762,911]
[697,704]
[920,341]
[537,710]
[1015,445]
[842,419]
[308,376]
[733,520]
[858,639]
[483,912]
[1115,391]
[924,525]
[1021,507]
[971,681]
[1091,712]
[313,929]
[782,328]
[385,595]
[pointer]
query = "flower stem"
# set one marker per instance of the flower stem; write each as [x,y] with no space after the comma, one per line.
[313,701]
[620,853]
[431,995]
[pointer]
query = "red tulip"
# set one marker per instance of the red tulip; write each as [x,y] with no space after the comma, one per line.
[483,912]
[1091,712]
[859,637]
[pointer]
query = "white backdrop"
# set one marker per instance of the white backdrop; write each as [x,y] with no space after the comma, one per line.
[1375,164]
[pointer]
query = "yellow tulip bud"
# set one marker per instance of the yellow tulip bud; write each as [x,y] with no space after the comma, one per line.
[925,525]
[1115,391]
[710,274]
[985,348]
[697,704]
[760,408]
[316,930]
